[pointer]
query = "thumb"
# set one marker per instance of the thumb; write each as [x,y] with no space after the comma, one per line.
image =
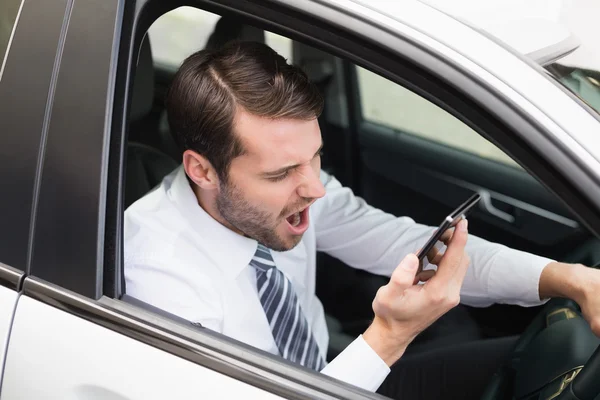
[404,274]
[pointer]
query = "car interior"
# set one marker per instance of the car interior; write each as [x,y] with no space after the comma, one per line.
[395,168]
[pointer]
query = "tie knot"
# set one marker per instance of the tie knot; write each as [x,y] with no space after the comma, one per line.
[262,259]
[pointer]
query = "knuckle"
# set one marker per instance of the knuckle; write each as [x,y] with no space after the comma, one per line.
[383,296]
[595,325]
[381,293]
[445,300]
[376,305]
[453,300]
[437,298]
[382,306]
[396,280]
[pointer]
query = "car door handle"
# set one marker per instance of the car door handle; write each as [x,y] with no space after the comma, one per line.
[486,205]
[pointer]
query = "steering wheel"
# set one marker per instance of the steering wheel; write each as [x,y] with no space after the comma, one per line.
[556,358]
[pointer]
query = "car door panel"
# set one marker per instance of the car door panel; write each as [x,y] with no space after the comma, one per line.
[57,355]
[8,302]
[408,175]
[26,79]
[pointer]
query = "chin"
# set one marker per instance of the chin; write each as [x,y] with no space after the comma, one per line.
[287,243]
[294,242]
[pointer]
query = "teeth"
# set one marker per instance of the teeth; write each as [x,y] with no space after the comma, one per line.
[296,219]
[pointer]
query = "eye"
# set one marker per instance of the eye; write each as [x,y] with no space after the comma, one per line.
[279,177]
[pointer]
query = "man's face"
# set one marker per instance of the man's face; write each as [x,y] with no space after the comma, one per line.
[270,188]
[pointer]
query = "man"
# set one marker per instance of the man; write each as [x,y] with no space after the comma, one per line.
[229,239]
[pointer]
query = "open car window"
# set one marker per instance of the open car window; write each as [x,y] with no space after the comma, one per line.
[185,30]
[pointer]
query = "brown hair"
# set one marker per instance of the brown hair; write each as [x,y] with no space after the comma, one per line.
[211,85]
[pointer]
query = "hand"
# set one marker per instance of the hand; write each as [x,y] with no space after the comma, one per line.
[590,301]
[434,256]
[403,310]
[576,282]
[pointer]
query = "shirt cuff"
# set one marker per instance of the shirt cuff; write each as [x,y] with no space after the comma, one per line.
[358,365]
[515,278]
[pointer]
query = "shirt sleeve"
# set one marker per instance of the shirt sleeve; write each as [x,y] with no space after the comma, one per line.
[369,373]
[367,238]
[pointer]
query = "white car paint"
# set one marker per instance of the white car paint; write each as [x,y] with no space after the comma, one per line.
[56,355]
[529,25]
[8,302]
[525,26]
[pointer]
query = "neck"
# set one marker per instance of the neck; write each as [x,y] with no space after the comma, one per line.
[207,199]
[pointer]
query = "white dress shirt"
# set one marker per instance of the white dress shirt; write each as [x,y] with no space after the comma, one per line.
[180,259]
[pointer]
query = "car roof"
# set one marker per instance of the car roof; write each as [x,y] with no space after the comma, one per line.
[524,27]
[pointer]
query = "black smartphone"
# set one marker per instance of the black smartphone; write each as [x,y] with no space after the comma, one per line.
[450,221]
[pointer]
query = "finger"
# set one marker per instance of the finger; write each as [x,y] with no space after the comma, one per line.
[447,235]
[404,274]
[434,257]
[435,254]
[432,254]
[425,275]
[451,265]
[419,270]
[461,271]
[444,238]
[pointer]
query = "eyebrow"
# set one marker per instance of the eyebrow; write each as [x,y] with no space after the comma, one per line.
[289,167]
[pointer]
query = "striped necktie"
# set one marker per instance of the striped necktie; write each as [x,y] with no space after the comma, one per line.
[289,326]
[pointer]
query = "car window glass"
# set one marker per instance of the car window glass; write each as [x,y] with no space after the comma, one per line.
[185,30]
[9,10]
[584,83]
[397,107]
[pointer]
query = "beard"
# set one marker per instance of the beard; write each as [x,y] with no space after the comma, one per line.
[254,222]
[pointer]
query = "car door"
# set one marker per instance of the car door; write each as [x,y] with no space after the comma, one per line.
[65,355]
[19,145]
[74,334]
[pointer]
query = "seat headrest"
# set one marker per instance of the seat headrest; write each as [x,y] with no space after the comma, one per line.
[143,83]
[230,28]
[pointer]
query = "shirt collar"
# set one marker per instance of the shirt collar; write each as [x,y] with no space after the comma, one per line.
[230,251]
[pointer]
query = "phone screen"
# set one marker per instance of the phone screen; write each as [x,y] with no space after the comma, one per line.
[450,221]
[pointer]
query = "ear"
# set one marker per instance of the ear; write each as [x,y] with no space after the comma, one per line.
[200,170]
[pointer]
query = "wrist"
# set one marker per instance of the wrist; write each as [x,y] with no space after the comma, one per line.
[562,280]
[388,345]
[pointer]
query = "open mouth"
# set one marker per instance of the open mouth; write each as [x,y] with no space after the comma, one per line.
[298,221]
[295,219]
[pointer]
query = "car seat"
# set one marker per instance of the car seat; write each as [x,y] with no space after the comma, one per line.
[146,166]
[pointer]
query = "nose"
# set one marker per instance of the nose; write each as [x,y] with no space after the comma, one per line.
[311,187]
